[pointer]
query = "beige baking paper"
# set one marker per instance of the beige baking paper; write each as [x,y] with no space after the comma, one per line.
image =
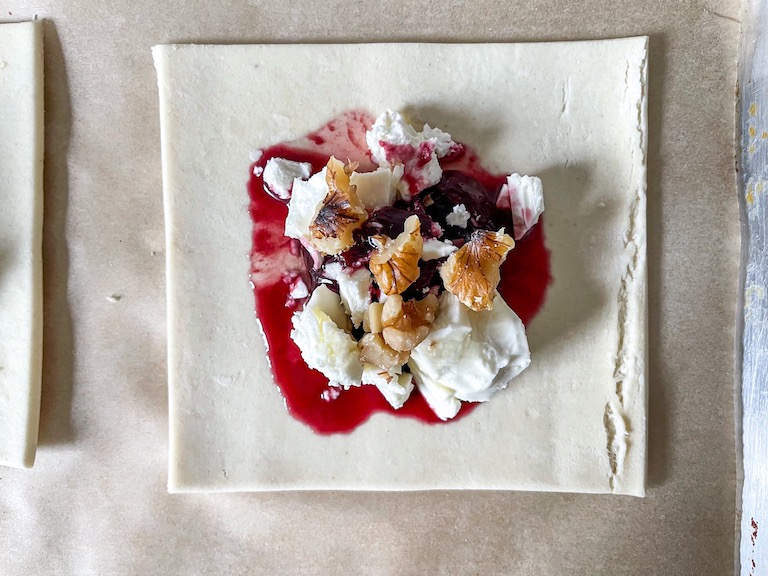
[21,230]
[97,502]
[574,421]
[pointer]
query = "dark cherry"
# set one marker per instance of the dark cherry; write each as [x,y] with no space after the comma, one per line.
[390,220]
[460,188]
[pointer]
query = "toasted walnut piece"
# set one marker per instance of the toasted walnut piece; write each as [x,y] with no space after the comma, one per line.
[395,263]
[372,318]
[472,273]
[374,350]
[391,310]
[341,214]
[406,324]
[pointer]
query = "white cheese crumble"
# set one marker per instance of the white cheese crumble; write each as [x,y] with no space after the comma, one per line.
[395,387]
[299,290]
[390,128]
[330,394]
[392,142]
[354,289]
[306,200]
[375,189]
[325,345]
[524,197]
[459,216]
[468,355]
[441,399]
[434,249]
[443,142]
[255,155]
[279,175]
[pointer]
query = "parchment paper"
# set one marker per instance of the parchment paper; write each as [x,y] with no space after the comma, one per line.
[96,501]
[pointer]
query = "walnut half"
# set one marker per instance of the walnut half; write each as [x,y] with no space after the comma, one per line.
[374,350]
[341,213]
[406,324]
[472,273]
[395,262]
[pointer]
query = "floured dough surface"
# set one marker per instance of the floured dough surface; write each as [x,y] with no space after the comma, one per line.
[21,216]
[573,114]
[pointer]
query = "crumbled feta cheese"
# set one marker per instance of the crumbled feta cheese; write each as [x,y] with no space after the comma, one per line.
[441,399]
[327,301]
[375,189]
[392,142]
[306,201]
[255,155]
[459,216]
[330,394]
[434,249]
[391,129]
[468,355]
[299,289]
[443,142]
[524,197]
[395,387]
[325,345]
[258,170]
[354,289]
[279,175]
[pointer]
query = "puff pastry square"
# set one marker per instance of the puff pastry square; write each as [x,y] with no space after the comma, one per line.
[21,228]
[572,113]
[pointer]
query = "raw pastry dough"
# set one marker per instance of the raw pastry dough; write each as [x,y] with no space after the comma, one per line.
[574,114]
[21,218]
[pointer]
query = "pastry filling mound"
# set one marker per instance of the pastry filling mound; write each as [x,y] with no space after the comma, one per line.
[407,276]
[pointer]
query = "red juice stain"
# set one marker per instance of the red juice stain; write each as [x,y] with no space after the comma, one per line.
[525,277]
[754,531]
